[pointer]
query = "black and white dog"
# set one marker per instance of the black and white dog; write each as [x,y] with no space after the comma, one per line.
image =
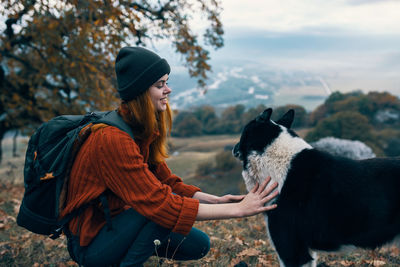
[325,202]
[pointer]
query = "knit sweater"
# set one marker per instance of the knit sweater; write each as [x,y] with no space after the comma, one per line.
[110,160]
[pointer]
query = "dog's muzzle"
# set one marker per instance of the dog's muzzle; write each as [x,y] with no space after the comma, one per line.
[236,153]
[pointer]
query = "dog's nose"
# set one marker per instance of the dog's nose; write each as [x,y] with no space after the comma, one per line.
[235,151]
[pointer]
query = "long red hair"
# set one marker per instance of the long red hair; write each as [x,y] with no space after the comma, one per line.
[142,116]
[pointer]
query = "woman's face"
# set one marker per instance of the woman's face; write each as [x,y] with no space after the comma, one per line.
[159,92]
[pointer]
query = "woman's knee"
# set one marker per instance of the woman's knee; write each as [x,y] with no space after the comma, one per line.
[202,243]
[205,245]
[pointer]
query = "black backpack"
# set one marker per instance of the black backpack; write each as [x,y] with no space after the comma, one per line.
[48,161]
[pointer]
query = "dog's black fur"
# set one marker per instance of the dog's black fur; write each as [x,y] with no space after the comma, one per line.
[325,201]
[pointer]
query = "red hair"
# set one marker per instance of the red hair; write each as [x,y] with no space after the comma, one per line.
[141,115]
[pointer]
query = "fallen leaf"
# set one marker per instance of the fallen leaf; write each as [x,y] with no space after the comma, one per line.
[214,238]
[259,242]
[394,251]
[265,261]
[249,252]
[238,241]
[376,263]
[346,263]
[258,228]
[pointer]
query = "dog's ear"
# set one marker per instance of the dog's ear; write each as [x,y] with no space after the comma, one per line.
[287,119]
[265,116]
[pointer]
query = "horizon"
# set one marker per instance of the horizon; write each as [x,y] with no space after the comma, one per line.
[343,44]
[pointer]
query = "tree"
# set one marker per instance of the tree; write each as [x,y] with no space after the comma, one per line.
[206,115]
[375,106]
[231,119]
[252,113]
[58,56]
[300,119]
[344,125]
[186,124]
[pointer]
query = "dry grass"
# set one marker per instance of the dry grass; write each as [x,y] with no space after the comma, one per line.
[204,143]
[188,153]
[232,240]
[11,168]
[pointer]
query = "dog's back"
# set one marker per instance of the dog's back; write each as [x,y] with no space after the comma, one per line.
[330,202]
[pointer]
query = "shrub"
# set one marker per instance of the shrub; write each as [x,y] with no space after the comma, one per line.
[225,161]
[205,168]
[186,124]
[345,125]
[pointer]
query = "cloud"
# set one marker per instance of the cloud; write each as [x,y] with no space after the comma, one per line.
[362,2]
[300,16]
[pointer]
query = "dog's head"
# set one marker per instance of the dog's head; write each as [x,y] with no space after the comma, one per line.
[259,133]
[266,148]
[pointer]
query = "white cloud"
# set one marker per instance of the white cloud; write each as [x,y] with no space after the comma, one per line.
[265,97]
[294,15]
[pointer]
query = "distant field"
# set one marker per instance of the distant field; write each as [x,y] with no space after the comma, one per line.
[188,153]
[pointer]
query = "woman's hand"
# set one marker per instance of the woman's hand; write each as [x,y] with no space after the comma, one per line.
[253,203]
[230,198]
[212,199]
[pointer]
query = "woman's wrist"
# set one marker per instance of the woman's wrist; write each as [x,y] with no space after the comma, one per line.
[239,211]
[206,198]
[219,212]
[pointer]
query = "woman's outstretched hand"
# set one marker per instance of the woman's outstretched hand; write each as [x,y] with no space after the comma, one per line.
[251,204]
[254,202]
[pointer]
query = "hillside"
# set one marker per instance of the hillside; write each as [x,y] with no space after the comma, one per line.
[249,86]
[232,241]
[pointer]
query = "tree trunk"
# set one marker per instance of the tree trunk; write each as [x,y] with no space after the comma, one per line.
[2,132]
[14,149]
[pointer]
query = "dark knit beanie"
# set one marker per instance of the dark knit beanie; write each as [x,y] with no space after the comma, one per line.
[137,69]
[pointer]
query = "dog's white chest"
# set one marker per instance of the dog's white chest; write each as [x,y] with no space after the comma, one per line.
[274,162]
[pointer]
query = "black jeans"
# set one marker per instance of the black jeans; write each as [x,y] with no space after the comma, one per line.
[133,239]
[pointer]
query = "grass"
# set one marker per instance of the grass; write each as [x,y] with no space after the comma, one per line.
[188,153]
[232,241]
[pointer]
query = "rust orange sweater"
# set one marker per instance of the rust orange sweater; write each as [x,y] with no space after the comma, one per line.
[110,160]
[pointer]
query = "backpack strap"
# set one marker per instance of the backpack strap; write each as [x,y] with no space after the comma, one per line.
[112,118]
[63,224]
[106,209]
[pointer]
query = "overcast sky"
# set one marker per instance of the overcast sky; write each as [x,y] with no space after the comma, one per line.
[314,16]
[351,44]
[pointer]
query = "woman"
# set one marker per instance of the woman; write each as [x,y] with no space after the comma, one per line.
[152,210]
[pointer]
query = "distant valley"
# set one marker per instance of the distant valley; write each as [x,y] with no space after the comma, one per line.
[250,87]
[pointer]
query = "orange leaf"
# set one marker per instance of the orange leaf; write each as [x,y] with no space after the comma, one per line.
[249,252]
[346,263]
